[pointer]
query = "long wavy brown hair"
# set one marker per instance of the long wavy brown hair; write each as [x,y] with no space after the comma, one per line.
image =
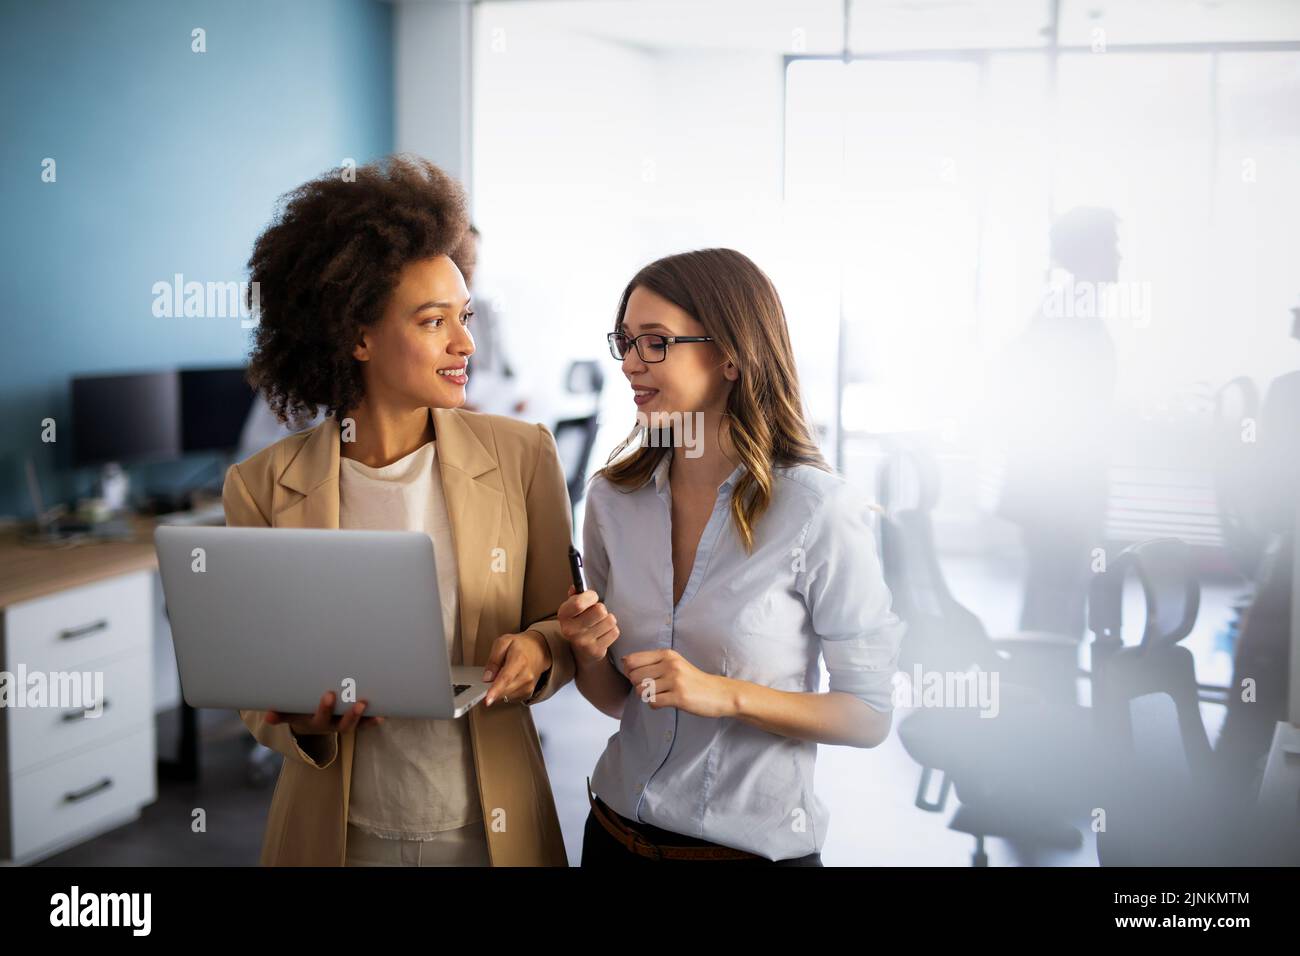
[739,307]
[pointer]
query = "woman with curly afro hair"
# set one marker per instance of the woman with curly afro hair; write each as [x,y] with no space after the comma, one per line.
[364,312]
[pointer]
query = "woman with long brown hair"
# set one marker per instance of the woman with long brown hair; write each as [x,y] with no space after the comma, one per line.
[724,557]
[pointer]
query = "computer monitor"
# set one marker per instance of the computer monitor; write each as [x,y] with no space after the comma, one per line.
[125,418]
[214,403]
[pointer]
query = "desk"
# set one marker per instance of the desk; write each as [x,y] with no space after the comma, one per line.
[92,616]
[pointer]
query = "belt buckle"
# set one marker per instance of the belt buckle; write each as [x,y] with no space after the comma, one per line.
[635,838]
[658,852]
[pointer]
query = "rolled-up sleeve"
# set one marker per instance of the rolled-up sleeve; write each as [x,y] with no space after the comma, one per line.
[849,603]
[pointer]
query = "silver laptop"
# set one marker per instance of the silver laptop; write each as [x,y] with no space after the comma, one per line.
[271,618]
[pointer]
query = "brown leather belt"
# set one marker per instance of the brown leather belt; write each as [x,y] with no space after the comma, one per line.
[634,842]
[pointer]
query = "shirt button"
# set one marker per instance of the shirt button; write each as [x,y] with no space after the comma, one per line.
[668,735]
[668,621]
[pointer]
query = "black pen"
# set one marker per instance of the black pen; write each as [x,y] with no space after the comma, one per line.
[575,566]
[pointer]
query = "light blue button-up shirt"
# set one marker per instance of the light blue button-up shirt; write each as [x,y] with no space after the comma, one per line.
[812,586]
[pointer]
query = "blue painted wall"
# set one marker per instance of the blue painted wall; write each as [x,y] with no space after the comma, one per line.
[168,161]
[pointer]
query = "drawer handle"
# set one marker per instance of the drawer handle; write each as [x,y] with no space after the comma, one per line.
[78,795]
[81,714]
[75,632]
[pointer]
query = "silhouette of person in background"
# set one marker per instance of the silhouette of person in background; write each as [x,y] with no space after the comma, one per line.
[1263,651]
[1060,390]
[1279,447]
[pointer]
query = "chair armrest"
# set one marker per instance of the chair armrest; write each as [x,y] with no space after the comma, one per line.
[1047,662]
[1031,639]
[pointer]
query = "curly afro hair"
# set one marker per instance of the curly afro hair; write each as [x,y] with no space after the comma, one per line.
[326,266]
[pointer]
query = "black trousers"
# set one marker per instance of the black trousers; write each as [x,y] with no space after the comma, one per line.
[599,848]
[1057,577]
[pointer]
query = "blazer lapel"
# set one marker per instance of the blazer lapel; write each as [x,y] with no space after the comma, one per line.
[471,486]
[310,483]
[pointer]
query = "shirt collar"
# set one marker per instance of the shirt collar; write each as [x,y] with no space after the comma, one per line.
[661,474]
[731,479]
[661,471]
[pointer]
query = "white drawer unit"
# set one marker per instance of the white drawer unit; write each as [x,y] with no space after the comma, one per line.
[38,735]
[65,777]
[95,621]
[75,799]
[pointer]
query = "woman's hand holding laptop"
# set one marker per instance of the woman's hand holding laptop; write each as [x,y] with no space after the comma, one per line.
[324,721]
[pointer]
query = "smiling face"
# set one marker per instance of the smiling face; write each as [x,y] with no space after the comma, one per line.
[693,377]
[422,335]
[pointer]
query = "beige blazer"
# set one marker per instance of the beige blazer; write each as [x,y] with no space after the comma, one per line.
[509,512]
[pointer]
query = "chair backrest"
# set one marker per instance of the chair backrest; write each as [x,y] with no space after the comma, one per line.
[584,377]
[1145,698]
[1173,596]
[942,634]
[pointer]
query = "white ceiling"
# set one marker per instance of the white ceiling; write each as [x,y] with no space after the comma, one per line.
[816,26]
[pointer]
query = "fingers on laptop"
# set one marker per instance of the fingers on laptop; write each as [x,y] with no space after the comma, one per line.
[352,719]
[324,721]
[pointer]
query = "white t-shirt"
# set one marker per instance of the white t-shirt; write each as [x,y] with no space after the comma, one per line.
[411,778]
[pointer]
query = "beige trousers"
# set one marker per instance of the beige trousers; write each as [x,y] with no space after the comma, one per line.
[466,846]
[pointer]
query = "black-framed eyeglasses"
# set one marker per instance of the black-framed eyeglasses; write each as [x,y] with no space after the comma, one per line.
[651,346]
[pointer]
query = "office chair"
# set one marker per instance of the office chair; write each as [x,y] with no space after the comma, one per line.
[949,635]
[584,377]
[1162,805]
[575,436]
[1025,773]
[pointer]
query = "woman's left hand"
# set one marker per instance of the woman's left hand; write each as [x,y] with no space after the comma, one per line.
[515,664]
[673,681]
